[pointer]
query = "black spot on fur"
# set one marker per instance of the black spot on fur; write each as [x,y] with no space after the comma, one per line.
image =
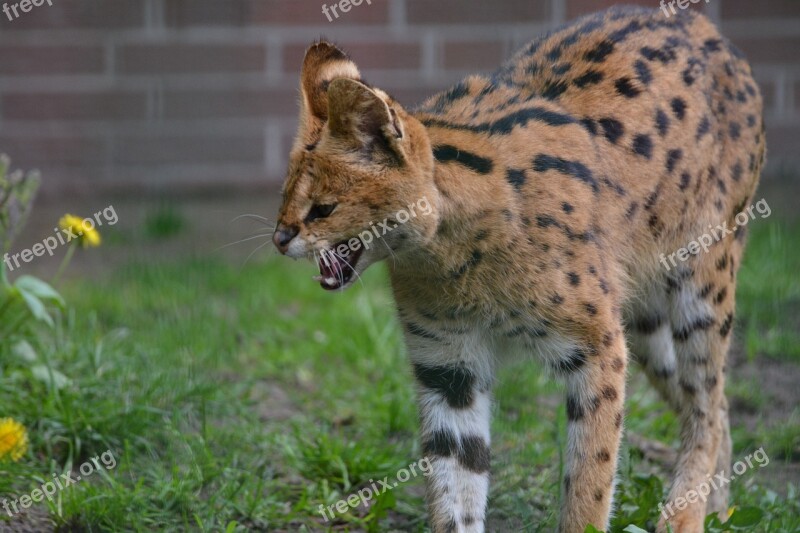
[562,68]
[687,387]
[607,339]
[693,70]
[643,72]
[676,279]
[474,259]
[643,145]
[655,54]
[631,211]
[706,290]
[591,77]
[700,324]
[440,443]
[474,454]
[574,409]
[604,286]
[612,129]
[554,89]
[678,108]
[652,198]
[662,122]
[545,221]
[503,126]
[459,90]
[446,153]
[574,279]
[720,297]
[686,178]
[617,36]
[735,130]
[647,325]
[711,45]
[704,127]
[575,169]
[663,373]
[673,156]
[567,207]
[590,125]
[655,225]
[454,383]
[599,53]
[609,393]
[590,308]
[516,178]
[736,172]
[572,362]
[616,187]
[626,88]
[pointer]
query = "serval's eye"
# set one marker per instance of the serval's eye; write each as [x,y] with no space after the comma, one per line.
[320,211]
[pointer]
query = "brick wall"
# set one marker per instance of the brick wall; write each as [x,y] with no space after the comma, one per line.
[175,94]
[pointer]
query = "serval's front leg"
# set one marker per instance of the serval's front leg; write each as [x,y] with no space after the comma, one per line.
[595,394]
[453,379]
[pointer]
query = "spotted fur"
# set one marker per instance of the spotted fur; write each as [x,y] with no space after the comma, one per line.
[554,186]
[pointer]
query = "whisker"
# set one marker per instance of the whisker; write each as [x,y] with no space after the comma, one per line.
[260,246]
[259,218]
[244,240]
[391,252]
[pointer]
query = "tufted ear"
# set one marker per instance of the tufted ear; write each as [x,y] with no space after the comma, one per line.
[322,64]
[359,117]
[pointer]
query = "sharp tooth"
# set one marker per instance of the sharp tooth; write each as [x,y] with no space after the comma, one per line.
[330,281]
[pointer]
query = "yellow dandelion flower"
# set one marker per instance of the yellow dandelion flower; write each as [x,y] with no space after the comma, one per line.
[13,439]
[82,229]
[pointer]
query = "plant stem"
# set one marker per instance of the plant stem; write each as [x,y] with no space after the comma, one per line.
[64,263]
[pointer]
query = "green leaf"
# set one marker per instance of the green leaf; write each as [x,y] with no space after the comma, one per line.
[51,377]
[591,529]
[36,307]
[38,288]
[634,529]
[745,517]
[24,351]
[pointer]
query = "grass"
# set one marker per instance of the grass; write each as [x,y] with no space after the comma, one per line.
[242,399]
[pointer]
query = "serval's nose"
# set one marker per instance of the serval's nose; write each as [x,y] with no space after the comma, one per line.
[283,236]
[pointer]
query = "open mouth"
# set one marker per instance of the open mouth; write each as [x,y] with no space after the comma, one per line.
[335,271]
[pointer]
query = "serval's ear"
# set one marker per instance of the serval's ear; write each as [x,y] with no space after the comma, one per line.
[361,119]
[323,63]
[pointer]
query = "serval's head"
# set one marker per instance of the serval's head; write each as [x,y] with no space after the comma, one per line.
[360,182]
